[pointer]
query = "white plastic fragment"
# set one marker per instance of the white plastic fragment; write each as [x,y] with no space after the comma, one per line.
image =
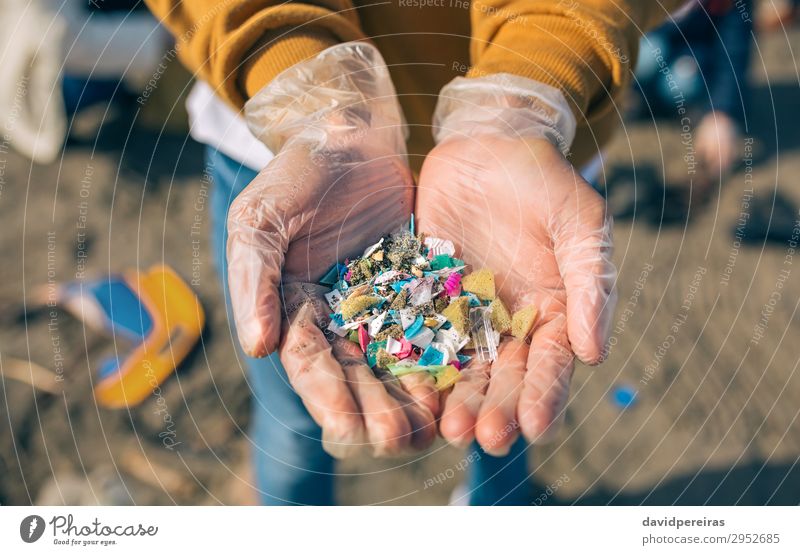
[446,349]
[334,298]
[372,248]
[420,291]
[440,246]
[387,277]
[407,317]
[393,346]
[423,338]
[377,323]
[452,338]
[355,324]
[336,328]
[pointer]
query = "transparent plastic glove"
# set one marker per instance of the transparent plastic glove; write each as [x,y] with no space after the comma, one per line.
[500,188]
[339,180]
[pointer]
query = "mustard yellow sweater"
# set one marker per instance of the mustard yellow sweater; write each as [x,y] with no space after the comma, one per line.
[586,48]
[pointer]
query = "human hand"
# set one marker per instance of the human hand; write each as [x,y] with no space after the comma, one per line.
[514,204]
[716,143]
[338,181]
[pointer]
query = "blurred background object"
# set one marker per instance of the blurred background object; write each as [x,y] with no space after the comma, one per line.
[776,14]
[61,58]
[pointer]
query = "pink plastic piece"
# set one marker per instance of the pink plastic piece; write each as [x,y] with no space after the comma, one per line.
[363,338]
[456,363]
[452,285]
[405,349]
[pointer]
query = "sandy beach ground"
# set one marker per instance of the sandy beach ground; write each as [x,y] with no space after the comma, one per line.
[705,333]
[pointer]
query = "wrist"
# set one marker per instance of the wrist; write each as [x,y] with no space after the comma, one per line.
[342,89]
[504,104]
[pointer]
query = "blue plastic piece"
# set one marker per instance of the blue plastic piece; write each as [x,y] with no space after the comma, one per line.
[332,276]
[398,285]
[414,328]
[124,310]
[431,357]
[463,359]
[108,367]
[624,396]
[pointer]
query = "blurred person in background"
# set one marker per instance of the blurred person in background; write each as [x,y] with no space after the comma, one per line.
[772,15]
[307,148]
[699,61]
[61,57]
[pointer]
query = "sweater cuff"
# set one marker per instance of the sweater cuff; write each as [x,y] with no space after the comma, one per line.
[274,40]
[278,51]
[588,74]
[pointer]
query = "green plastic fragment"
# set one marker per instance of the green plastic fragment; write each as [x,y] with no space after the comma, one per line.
[372,352]
[441,261]
[403,369]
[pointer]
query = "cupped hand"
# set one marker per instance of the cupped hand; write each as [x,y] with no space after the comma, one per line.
[517,207]
[307,210]
[338,182]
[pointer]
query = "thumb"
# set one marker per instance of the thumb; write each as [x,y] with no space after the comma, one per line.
[258,238]
[583,249]
[255,259]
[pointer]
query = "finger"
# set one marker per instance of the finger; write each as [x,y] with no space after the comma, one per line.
[462,405]
[497,427]
[318,379]
[388,430]
[545,387]
[257,243]
[583,251]
[262,222]
[253,277]
[421,386]
[422,420]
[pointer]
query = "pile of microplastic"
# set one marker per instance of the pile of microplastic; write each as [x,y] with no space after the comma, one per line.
[409,305]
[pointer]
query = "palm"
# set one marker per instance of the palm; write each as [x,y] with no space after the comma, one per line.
[518,208]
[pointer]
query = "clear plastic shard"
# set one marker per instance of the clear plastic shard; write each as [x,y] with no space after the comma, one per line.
[484,338]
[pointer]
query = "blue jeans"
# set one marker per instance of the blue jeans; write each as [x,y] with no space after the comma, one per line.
[291,467]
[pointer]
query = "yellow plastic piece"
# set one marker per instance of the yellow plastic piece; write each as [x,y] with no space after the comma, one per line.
[480,283]
[457,312]
[501,318]
[353,306]
[447,377]
[522,322]
[178,320]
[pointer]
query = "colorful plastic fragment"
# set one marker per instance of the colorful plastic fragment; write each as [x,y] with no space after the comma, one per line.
[522,322]
[363,338]
[446,377]
[411,306]
[480,283]
[457,313]
[452,285]
[354,305]
[500,316]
